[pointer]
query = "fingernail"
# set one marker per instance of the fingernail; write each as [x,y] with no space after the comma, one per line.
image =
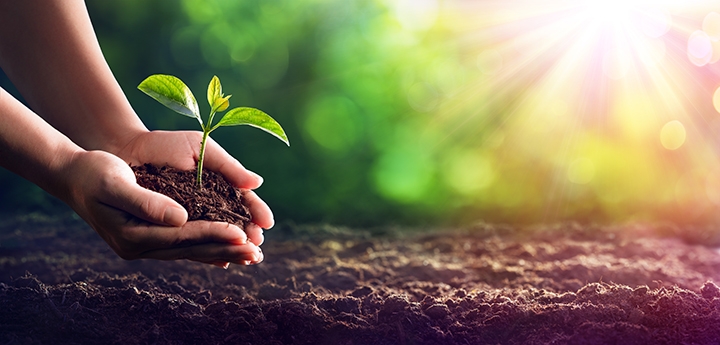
[175,216]
[258,177]
[222,265]
[258,258]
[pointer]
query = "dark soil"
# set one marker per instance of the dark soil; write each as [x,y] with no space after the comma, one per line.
[218,200]
[485,284]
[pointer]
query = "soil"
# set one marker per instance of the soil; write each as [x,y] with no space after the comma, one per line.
[483,284]
[217,200]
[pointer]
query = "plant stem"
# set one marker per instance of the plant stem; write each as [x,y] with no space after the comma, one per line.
[201,158]
[207,128]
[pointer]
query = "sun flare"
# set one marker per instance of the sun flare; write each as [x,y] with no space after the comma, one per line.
[619,70]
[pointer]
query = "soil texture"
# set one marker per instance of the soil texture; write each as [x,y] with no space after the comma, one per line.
[218,200]
[485,284]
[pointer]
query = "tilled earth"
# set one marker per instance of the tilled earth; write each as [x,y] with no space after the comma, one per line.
[484,284]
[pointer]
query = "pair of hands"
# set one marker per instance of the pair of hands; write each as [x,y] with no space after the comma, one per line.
[139,223]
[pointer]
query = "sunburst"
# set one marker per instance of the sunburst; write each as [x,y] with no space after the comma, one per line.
[571,81]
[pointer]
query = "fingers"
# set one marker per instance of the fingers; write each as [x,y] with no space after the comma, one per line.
[144,204]
[229,244]
[159,237]
[104,178]
[211,253]
[217,159]
[261,213]
[232,247]
[255,234]
[204,231]
[208,242]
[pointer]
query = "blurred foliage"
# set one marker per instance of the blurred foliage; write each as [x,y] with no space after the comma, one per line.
[394,117]
[334,73]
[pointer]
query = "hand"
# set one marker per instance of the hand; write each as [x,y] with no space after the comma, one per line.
[100,187]
[103,191]
[181,149]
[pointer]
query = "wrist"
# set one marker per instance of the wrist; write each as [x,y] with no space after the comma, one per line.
[60,170]
[32,148]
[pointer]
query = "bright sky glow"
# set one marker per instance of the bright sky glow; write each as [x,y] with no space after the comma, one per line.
[611,11]
[631,74]
[416,14]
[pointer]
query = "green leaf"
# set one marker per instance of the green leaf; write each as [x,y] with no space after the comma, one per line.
[172,93]
[214,91]
[222,103]
[253,117]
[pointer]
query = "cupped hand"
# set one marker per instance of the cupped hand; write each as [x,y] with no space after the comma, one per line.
[181,149]
[139,223]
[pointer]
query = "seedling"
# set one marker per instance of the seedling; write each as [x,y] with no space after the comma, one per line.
[174,94]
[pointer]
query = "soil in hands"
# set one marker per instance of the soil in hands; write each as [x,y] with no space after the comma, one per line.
[217,201]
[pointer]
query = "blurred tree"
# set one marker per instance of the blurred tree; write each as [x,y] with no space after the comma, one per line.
[394,118]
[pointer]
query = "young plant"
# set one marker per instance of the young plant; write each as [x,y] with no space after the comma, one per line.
[174,94]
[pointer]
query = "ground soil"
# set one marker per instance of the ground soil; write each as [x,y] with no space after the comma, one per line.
[217,200]
[483,284]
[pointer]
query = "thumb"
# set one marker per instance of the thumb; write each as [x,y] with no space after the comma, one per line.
[147,205]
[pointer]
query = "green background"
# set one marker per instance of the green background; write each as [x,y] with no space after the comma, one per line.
[323,69]
[380,129]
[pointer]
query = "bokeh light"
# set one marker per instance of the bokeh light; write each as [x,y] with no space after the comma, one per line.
[439,111]
[468,172]
[716,99]
[581,171]
[672,135]
[700,48]
[711,25]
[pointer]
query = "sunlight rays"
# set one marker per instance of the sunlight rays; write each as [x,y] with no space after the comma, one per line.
[634,78]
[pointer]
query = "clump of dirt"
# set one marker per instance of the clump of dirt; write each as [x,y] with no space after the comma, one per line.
[486,284]
[217,201]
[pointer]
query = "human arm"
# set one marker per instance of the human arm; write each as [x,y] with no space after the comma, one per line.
[101,188]
[50,52]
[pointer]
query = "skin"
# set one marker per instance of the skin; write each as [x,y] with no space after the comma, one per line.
[77,142]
